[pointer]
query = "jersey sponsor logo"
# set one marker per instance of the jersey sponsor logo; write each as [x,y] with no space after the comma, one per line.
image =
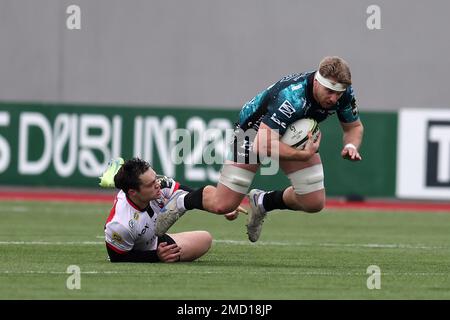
[287,109]
[143,231]
[117,237]
[354,107]
[299,86]
[278,121]
[294,77]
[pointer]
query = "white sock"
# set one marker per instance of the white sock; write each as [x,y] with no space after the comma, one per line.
[260,202]
[180,202]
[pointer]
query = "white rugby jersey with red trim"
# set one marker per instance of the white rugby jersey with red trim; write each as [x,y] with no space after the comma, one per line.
[129,228]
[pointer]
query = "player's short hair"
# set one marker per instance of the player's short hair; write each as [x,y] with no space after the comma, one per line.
[128,175]
[336,68]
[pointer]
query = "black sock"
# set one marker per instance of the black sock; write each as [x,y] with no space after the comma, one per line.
[274,200]
[194,199]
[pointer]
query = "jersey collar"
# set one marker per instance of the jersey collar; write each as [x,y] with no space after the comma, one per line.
[147,209]
[134,205]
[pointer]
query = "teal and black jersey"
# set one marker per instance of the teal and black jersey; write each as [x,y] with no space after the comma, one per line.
[291,99]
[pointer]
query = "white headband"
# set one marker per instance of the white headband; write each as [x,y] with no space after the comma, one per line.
[336,86]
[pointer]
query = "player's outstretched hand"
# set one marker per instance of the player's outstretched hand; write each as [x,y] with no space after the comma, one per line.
[234,214]
[350,152]
[168,253]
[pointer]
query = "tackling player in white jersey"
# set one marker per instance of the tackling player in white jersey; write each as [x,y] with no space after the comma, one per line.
[130,227]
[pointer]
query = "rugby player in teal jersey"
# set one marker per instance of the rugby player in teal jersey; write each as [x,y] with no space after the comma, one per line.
[262,122]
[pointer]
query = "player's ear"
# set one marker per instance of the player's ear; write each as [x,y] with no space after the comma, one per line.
[132,192]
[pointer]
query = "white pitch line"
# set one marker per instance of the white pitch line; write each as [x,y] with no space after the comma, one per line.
[50,243]
[247,243]
[71,210]
[186,271]
[57,272]
[306,244]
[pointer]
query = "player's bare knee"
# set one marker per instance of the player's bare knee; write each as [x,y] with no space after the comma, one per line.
[313,205]
[224,208]
[206,239]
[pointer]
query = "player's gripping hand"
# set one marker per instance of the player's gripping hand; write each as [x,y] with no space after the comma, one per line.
[350,152]
[168,252]
[312,145]
[234,214]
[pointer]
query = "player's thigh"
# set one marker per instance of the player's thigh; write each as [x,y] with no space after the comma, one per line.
[193,244]
[188,239]
[289,167]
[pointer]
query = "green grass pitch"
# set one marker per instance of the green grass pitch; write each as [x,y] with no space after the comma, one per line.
[299,256]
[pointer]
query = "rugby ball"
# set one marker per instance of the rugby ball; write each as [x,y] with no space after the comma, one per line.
[296,134]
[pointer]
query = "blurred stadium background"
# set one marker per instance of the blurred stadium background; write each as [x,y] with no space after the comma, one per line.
[71,99]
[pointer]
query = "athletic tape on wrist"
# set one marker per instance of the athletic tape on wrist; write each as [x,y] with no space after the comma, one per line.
[350,145]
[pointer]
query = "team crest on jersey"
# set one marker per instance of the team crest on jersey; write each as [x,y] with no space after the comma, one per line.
[132,223]
[116,237]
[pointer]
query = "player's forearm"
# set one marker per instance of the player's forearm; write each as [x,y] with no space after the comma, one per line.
[133,256]
[354,135]
[267,144]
